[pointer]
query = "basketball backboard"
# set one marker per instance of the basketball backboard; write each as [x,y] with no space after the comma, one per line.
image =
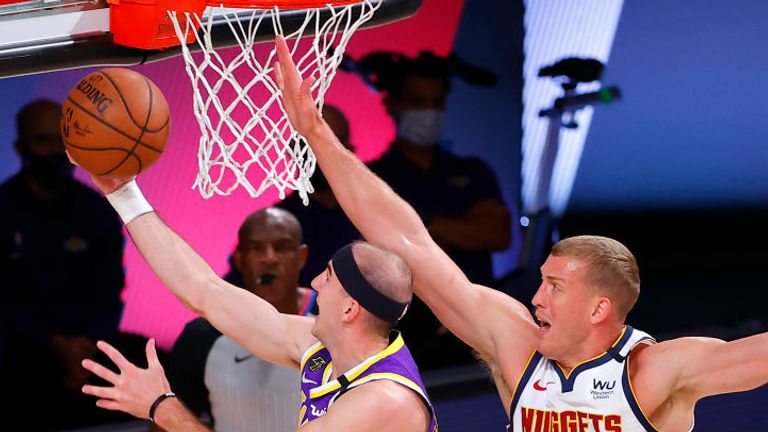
[49,35]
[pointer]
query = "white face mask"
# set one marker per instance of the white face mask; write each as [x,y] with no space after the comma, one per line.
[420,127]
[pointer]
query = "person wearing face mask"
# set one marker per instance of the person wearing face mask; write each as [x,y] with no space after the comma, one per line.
[458,198]
[218,379]
[61,276]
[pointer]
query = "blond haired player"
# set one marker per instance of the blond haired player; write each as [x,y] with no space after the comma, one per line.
[576,366]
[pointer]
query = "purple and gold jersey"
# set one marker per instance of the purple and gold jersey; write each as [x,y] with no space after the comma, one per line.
[319,392]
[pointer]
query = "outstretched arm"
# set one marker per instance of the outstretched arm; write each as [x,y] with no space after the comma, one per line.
[244,317]
[670,377]
[477,315]
[708,367]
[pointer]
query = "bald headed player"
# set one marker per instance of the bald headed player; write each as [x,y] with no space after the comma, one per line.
[580,368]
[356,373]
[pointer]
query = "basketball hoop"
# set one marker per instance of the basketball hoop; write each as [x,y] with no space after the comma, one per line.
[246,139]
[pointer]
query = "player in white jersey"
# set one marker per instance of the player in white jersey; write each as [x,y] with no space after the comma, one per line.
[596,395]
[589,284]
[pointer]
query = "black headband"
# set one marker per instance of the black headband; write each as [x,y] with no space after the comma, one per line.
[359,289]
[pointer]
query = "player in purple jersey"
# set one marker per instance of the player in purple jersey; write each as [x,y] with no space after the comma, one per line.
[322,382]
[362,294]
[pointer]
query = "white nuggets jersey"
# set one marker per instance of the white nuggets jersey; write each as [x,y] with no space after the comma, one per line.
[248,394]
[596,396]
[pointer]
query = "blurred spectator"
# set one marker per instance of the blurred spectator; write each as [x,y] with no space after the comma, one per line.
[61,275]
[457,197]
[214,376]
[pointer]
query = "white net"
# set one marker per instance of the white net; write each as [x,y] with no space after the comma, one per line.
[246,139]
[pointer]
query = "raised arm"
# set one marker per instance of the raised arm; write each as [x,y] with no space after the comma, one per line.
[388,221]
[244,317]
[675,374]
[709,367]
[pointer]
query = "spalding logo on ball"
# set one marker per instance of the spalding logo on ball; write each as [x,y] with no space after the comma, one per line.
[115,123]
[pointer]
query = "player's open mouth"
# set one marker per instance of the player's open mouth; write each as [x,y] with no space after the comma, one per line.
[543,325]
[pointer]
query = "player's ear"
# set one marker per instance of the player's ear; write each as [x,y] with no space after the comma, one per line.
[601,310]
[351,309]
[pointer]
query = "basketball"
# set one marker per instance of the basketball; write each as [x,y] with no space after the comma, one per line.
[115,123]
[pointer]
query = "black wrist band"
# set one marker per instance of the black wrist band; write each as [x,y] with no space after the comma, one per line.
[156,403]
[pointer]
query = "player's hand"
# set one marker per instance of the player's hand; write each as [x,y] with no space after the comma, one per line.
[134,389]
[297,94]
[104,184]
[109,185]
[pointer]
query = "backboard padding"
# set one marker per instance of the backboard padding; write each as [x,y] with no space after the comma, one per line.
[71,34]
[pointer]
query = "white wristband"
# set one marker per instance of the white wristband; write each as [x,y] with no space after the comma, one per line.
[129,202]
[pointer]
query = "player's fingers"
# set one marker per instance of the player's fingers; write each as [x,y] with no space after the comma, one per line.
[152,359]
[114,355]
[69,156]
[100,371]
[306,86]
[108,404]
[283,53]
[288,68]
[279,76]
[100,392]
